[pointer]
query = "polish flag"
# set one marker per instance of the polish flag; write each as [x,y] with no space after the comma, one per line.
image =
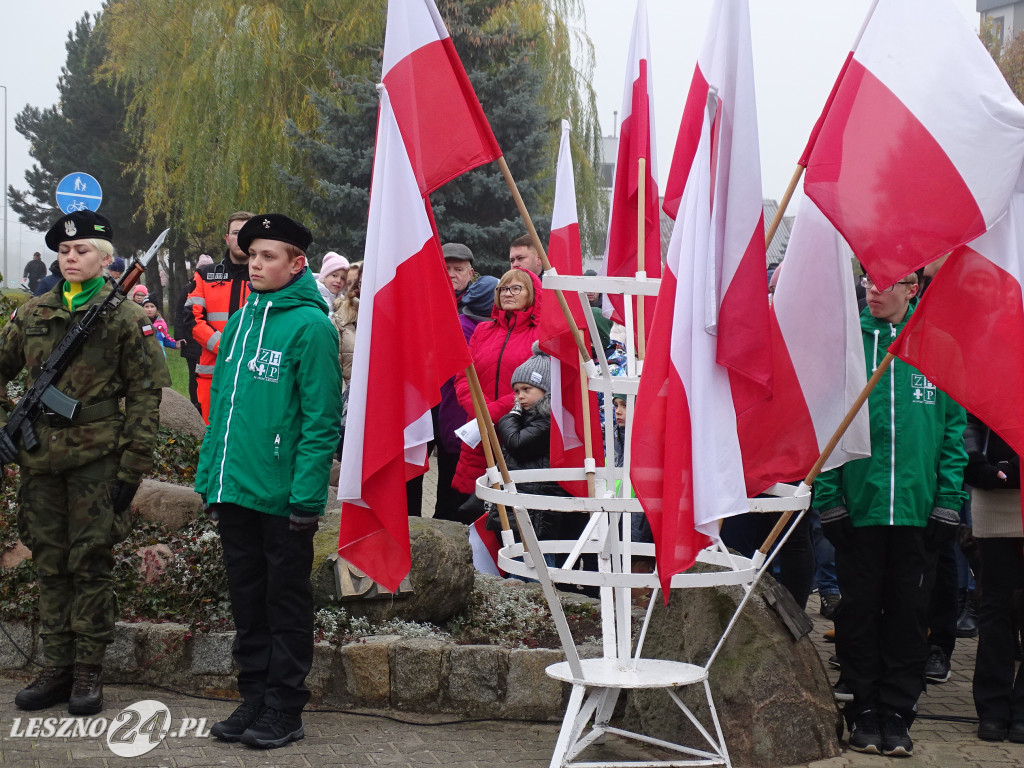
[818,362]
[738,310]
[444,126]
[484,545]
[967,334]
[686,465]
[566,257]
[920,148]
[408,343]
[636,141]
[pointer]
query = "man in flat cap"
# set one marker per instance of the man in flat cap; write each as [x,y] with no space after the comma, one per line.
[264,469]
[76,487]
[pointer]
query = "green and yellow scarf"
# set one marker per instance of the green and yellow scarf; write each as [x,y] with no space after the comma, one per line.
[77,294]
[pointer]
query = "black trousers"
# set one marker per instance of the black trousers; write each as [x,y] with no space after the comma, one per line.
[998,692]
[942,608]
[448,499]
[268,568]
[885,574]
[745,533]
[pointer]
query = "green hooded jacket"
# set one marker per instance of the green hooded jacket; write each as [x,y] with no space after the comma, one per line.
[275,405]
[917,445]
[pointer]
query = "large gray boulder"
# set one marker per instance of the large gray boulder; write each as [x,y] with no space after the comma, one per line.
[171,506]
[773,697]
[177,413]
[441,578]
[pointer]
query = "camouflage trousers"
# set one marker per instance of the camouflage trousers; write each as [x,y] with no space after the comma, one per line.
[67,521]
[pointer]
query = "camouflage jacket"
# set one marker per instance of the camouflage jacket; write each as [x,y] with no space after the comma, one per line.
[120,359]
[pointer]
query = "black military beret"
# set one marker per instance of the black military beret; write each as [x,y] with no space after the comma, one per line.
[274,226]
[79,225]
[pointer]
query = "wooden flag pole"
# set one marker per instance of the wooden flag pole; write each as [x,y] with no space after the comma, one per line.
[780,526]
[783,205]
[525,215]
[641,260]
[486,427]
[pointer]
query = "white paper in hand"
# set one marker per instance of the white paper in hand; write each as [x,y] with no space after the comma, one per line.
[469,433]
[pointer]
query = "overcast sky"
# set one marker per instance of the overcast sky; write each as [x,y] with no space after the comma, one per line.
[799,46]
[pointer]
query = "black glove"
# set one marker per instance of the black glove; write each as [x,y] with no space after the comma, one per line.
[836,525]
[979,473]
[8,450]
[298,522]
[121,494]
[941,528]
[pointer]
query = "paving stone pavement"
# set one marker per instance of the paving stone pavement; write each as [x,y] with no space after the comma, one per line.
[944,734]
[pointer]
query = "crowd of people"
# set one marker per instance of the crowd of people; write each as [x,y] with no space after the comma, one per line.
[888,546]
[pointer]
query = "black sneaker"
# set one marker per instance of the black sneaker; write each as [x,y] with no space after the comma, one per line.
[833,661]
[936,669]
[52,686]
[896,737]
[829,605]
[841,692]
[864,733]
[993,730]
[237,722]
[273,728]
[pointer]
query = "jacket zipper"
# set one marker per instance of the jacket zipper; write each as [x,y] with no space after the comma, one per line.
[231,402]
[501,353]
[892,436]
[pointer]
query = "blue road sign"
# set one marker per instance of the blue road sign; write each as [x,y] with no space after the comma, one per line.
[78,192]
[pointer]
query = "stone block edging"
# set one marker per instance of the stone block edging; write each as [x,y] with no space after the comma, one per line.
[385,672]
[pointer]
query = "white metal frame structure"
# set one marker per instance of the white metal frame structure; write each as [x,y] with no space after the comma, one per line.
[597,683]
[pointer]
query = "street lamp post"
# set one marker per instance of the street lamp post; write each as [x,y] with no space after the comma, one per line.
[7,278]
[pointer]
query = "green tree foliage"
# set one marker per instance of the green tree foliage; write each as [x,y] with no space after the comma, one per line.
[1009,57]
[84,131]
[214,83]
[476,208]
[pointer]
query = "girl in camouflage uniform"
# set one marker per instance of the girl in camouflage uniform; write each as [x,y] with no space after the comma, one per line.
[77,485]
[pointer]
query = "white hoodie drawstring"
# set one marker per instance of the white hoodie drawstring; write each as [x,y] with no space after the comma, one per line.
[231,352]
[259,343]
[874,367]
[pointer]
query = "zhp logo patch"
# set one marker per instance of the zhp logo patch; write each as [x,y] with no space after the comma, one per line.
[922,390]
[268,366]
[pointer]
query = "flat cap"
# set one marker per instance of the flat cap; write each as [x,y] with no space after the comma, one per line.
[457,251]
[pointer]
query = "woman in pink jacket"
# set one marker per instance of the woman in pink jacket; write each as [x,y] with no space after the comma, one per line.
[498,347]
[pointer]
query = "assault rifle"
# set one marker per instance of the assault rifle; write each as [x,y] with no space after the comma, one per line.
[43,395]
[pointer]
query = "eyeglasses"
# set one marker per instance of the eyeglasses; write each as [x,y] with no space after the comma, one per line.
[515,290]
[867,282]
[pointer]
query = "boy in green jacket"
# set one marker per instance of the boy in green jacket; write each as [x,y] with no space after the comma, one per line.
[887,516]
[263,472]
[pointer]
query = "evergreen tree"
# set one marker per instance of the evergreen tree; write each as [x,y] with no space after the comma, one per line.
[476,208]
[84,131]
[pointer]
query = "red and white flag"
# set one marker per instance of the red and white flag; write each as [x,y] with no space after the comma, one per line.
[967,334]
[686,466]
[922,142]
[636,141]
[566,257]
[408,343]
[817,358]
[738,309]
[438,113]
[485,545]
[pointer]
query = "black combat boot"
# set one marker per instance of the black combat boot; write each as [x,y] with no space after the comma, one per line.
[87,693]
[51,686]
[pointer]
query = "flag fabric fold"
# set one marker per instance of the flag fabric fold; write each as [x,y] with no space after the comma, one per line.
[636,142]
[555,336]
[739,311]
[967,335]
[686,465]
[437,110]
[408,343]
[922,141]
[818,362]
